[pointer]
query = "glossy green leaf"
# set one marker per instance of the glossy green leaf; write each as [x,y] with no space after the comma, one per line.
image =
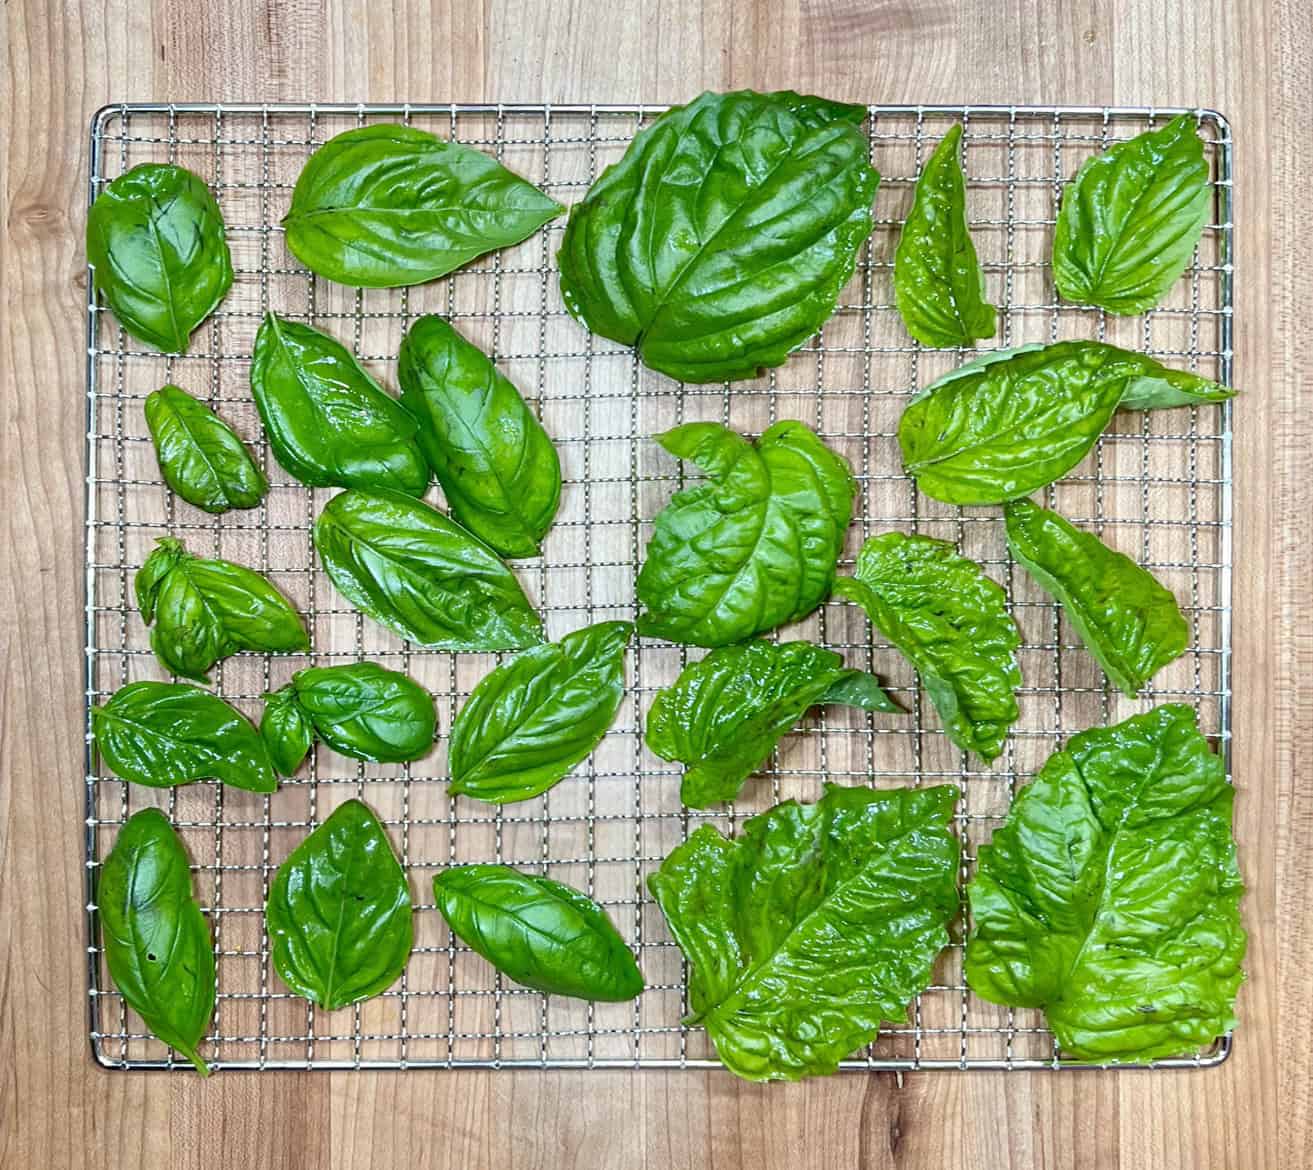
[538,932]
[724,715]
[1126,618]
[286,730]
[422,575]
[1110,896]
[155,238]
[1131,218]
[535,717]
[338,913]
[720,242]
[200,456]
[497,467]
[938,284]
[818,923]
[156,940]
[203,610]
[755,545]
[390,205]
[951,622]
[165,734]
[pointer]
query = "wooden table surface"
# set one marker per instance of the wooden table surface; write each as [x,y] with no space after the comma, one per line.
[1253,61]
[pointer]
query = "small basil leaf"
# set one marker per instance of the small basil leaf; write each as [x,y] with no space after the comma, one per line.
[422,575]
[951,622]
[938,284]
[534,718]
[384,206]
[155,238]
[856,688]
[165,734]
[286,730]
[339,913]
[753,548]
[200,456]
[817,924]
[1131,218]
[538,932]
[720,242]
[1127,620]
[329,423]
[367,712]
[497,467]
[157,942]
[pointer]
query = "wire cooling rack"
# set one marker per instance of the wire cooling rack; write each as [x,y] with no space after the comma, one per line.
[1157,487]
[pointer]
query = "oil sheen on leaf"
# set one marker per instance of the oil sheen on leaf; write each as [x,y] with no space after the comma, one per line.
[200,456]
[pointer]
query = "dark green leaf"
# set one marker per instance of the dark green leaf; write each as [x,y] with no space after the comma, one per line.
[384,206]
[538,932]
[286,730]
[1110,896]
[201,457]
[497,467]
[719,243]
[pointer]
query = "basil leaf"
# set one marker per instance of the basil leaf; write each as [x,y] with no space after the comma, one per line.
[338,914]
[1127,620]
[286,730]
[157,943]
[204,610]
[753,548]
[200,456]
[497,467]
[384,206]
[724,715]
[165,734]
[155,238]
[817,924]
[951,622]
[538,932]
[720,242]
[1110,896]
[535,717]
[1131,218]
[423,576]
[938,284]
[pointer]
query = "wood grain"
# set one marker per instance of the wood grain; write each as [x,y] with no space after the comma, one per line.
[1253,61]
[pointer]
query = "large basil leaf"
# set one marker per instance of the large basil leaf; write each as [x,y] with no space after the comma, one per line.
[200,456]
[497,467]
[753,548]
[720,242]
[329,423]
[540,933]
[156,240]
[817,924]
[951,622]
[938,284]
[203,610]
[384,206]
[165,734]
[1110,896]
[157,943]
[1131,218]
[534,718]
[338,914]
[1126,618]
[724,715]
[422,575]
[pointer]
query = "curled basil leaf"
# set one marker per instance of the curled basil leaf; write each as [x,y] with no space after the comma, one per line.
[157,943]
[286,730]
[200,455]
[753,548]
[720,242]
[540,933]
[165,734]
[389,205]
[1110,896]
[724,715]
[409,567]
[339,912]
[156,240]
[497,467]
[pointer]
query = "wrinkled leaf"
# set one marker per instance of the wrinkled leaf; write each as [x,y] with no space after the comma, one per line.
[200,456]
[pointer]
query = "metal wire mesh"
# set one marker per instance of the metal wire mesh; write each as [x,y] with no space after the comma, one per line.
[1157,487]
